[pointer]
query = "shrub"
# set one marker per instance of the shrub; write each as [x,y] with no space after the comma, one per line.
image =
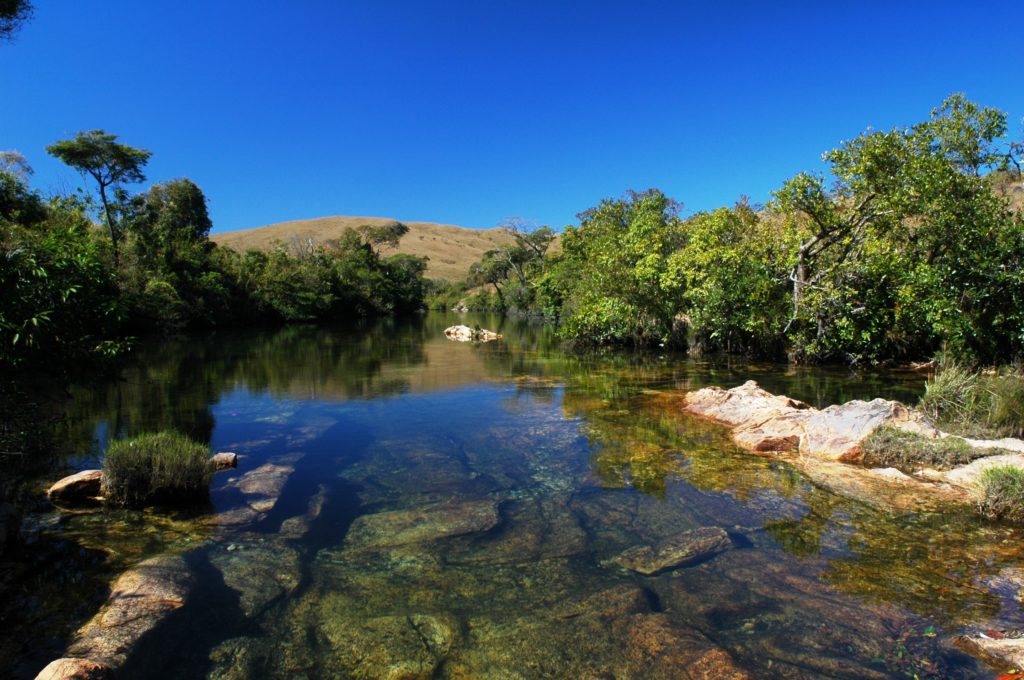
[164,467]
[978,404]
[1002,493]
[892,447]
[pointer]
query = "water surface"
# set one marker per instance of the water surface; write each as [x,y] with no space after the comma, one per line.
[447,510]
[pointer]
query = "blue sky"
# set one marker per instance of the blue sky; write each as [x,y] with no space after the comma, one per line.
[470,112]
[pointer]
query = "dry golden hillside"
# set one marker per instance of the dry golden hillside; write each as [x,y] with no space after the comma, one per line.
[450,249]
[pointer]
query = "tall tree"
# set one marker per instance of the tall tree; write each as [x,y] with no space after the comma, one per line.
[98,154]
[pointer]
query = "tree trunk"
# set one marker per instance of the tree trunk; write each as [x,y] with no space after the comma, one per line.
[110,222]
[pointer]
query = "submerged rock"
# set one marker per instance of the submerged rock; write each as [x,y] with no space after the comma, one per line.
[76,488]
[140,599]
[467,334]
[683,548]
[401,527]
[401,647]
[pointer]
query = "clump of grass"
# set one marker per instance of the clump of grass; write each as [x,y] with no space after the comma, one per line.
[889,446]
[976,404]
[164,467]
[1002,493]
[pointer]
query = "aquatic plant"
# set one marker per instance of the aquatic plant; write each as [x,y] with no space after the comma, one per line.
[1002,493]
[161,467]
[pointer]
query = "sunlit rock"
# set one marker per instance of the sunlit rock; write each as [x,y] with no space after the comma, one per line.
[262,486]
[675,551]
[998,648]
[75,669]
[225,460]
[79,487]
[467,334]
[139,601]
[970,474]
[765,422]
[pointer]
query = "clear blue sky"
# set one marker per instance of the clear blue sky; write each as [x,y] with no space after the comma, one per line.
[469,112]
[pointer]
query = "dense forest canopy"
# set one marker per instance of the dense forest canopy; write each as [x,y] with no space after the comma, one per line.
[909,247]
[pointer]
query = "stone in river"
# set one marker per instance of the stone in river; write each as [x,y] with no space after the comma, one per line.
[675,551]
[141,599]
[224,460]
[75,669]
[81,486]
[401,527]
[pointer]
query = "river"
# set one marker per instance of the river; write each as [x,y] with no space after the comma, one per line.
[407,506]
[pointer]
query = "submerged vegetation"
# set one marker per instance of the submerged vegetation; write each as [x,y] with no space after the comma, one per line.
[162,467]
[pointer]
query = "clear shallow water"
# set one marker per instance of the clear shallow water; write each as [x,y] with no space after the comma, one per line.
[406,506]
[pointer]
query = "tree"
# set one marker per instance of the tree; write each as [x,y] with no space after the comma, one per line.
[98,155]
[965,132]
[13,13]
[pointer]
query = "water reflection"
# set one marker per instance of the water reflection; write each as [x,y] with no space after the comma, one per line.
[532,467]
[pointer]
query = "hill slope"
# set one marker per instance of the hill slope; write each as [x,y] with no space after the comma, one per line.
[451,249]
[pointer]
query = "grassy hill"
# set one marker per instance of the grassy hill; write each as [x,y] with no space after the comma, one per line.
[451,249]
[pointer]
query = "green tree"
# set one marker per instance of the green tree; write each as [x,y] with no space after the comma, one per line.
[613,276]
[98,154]
[966,133]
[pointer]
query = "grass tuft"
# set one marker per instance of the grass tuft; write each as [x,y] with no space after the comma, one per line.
[1002,493]
[889,446]
[976,404]
[164,467]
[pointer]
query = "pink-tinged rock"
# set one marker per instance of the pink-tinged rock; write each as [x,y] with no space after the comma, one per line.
[140,600]
[81,486]
[225,460]
[765,422]
[675,551]
[994,648]
[75,669]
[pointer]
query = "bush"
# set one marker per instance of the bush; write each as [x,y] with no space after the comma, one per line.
[1002,493]
[164,467]
[892,447]
[976,404]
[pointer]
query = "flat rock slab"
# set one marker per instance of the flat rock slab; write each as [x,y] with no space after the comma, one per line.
[886,489]
[675,551]
[969,475]
[764,422]
[141,598]
[401,527]
[81,486]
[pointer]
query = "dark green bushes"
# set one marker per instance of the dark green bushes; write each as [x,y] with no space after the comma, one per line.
[165,467]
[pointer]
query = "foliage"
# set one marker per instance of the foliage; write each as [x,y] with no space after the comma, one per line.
[1002,493]
[514,269]
[98,154]
[613,277]
[890,446]
[13,14]
[163,467]
[911,250]
[733,270]
[60,297]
